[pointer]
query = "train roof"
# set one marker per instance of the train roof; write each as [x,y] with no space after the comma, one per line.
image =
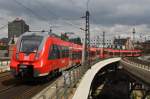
[121,50]
[40,33]
[55,38]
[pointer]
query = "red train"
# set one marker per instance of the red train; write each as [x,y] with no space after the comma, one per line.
[41,54]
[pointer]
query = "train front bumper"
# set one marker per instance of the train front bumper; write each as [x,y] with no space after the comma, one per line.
[27,71]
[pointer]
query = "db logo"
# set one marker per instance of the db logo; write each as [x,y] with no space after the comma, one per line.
[26,57]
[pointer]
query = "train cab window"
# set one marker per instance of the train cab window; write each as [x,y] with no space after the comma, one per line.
[54,52]
[30,43]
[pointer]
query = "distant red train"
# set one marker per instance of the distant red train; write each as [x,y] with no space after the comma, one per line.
[108,52]
[41,54]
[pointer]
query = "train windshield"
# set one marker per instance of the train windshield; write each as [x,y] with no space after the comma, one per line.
[30,43]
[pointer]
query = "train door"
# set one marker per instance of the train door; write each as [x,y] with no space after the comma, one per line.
[54,57]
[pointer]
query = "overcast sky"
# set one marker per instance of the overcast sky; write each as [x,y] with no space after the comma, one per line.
[115,17]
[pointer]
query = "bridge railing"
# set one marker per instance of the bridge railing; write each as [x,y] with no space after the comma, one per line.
[63,88]
[142,66]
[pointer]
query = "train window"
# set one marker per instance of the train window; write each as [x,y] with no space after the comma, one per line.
[30,43]
[60,51]
[80,54]
[65,51]
[73,55]
[76,55]
[54,52]
[111,53]
[98,52]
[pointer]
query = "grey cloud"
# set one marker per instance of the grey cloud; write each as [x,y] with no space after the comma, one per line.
[105,12]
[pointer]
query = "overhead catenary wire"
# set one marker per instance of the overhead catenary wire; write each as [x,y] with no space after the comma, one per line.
[87,4]
[37,15]
[3,26]
[43,18]
[19,3]
[87,8]
[73,3]
[30,10]
[54,14]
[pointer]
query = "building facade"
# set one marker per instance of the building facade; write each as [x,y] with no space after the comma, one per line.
[146,46]
[16,28]
[100,43]
[4,41]
[123,43]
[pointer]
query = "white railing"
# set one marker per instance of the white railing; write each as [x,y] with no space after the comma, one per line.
[83,89]
[141,66]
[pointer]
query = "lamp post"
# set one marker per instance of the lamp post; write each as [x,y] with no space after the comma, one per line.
[133,36]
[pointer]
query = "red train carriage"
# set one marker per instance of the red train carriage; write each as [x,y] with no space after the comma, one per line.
[39,54]
[76,54]
[121,53]
[93,53]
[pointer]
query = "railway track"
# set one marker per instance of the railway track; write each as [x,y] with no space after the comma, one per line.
[4,74]
[136,60]
[11,88]
[6,81]
[31,91]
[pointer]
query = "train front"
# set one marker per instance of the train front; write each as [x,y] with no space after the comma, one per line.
[26,59]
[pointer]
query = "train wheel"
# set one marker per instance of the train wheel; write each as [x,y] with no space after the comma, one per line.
[51,75]
[56,72]
[59,73]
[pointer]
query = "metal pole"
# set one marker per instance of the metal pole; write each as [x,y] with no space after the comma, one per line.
[103,43]
[83,53]
[133,37]
[97,43]
[87,38]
